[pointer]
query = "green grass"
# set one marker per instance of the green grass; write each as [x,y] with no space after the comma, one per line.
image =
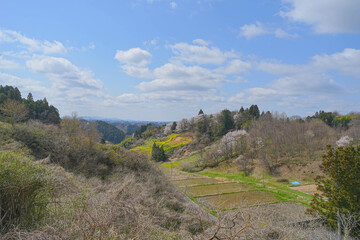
[170,165]
[179,163]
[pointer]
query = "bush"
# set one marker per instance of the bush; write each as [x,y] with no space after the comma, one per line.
[25,191]
[36,139]
[285,180]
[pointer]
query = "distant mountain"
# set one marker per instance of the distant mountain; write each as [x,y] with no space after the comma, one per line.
[116,120]
[110,132]
[127,126]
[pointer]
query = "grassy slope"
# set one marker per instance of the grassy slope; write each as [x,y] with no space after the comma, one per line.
[168,143]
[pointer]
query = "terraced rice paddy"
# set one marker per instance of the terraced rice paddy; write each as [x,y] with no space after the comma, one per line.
[215,189]
[219,191]
[236,200]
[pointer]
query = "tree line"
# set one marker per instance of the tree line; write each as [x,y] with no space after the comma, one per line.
[14,108]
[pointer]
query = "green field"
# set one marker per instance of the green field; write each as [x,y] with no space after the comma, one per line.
[181,162]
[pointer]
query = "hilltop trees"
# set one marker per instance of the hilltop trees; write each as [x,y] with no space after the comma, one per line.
[244,117]
[40,109]
[333,119]
[340,189]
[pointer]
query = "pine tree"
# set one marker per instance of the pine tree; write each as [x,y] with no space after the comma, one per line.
[339,186]
[30,97]
[158,153]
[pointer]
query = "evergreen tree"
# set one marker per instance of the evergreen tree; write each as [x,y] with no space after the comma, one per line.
[200,112]
[340,185]
[254,111]
[158,153]
[30,97]
[173,126]
[226,122]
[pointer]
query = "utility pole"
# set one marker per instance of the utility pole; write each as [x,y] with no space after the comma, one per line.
[338,216]
[338,225]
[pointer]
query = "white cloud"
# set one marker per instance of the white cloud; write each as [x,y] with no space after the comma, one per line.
[179,77]
[347,62]
[277,68]
[134,56]
[235,66]
[68,80]
[201,42]
[24,84]
[32,45]
[199,54]
[326,16]
[280,33]
[138,72]
[258,29]
[311,85]
[130,98]
[7,64]
[173,5]
[151,43]
[252,30]
[239,98]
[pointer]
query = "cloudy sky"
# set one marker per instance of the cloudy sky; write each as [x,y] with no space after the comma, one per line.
[166,59]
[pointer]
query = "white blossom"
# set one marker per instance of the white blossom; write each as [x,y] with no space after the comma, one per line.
[167,129]
[182,125]
[344,141]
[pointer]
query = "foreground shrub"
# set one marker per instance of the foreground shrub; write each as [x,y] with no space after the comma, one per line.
[25,192]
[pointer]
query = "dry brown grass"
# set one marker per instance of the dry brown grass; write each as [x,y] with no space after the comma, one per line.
[266,222]
[136,202]
[233,200]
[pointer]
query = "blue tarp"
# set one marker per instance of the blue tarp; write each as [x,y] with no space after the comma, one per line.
[295,183]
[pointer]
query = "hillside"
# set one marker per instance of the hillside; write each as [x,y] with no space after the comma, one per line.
[228,176]
[100,191]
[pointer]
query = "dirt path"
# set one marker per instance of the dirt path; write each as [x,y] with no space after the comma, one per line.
[309,189]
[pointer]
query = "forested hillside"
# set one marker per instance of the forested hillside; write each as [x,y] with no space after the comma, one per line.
[110,132]
[14,108]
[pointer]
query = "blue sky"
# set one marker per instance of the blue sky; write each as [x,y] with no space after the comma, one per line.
[165,59]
